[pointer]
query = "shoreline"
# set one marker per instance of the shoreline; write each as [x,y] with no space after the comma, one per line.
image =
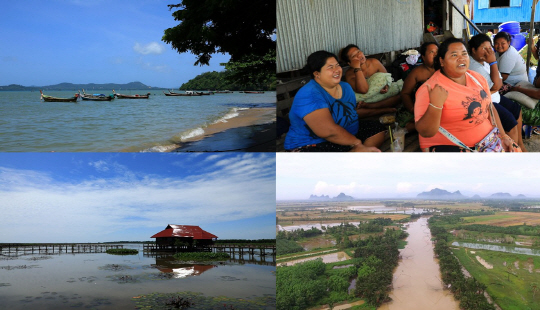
[252,130]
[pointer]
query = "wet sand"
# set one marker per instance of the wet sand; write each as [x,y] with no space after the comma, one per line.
[417,283]
[253,130]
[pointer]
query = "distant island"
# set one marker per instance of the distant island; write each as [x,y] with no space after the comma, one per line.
[215,81]
[75,87]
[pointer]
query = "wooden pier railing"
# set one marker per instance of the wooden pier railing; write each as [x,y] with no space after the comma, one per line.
[56,248]
[251,249]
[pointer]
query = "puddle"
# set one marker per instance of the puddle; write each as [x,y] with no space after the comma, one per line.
[417,283]
[328,258]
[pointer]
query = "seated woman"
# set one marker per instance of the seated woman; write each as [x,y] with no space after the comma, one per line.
[483,61]
[415,79]
[511,65]
[361,69]
[323,116]
[457,100]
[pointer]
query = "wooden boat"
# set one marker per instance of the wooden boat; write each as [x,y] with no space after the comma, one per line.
[96,97]
[223,92]
[253,92]
[56,99]
[204,94]
[122,96]
[187,93]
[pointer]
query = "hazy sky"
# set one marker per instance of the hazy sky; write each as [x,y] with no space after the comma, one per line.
[97,41]
[390,175]
[96,197]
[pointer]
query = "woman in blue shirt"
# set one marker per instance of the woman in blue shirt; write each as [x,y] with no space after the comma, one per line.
[323,115]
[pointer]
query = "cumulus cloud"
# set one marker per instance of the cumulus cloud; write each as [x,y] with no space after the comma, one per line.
[150,48]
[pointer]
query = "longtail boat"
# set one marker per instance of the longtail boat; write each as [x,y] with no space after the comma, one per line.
[253,92]
[187,93]
[96,97]
[56,99]
[223,92]
[122,96]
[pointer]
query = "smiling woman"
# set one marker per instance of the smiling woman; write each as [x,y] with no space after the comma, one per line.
[457,100]
[323,115]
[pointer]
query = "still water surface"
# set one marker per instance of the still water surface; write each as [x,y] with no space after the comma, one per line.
[498,248]
[103,281]
[30,125]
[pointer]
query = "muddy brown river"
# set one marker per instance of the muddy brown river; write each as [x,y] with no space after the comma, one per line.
[417,283]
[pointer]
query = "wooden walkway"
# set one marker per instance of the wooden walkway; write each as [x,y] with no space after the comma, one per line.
[250,249]
[245,249]
[8,249]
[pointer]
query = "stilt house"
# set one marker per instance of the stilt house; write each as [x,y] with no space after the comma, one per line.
[190,235]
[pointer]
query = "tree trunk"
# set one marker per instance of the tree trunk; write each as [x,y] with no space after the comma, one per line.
[531,35]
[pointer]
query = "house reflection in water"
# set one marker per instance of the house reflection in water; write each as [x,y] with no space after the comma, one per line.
[167,265]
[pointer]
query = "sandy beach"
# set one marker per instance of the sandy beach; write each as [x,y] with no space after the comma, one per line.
[253,130]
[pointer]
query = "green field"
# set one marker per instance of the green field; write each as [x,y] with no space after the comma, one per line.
[510,287]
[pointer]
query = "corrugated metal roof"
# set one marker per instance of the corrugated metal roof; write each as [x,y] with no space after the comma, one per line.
[188,231]
[306,26]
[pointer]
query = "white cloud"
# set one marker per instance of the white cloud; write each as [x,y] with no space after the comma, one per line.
[404,187]
[99,165]
[150,48]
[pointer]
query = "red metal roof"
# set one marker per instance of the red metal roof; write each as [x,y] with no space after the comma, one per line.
[195,232]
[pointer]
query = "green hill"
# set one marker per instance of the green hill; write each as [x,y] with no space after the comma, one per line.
[75,87]
[218,81]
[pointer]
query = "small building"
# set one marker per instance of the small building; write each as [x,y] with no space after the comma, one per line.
[489,14]
[186,236]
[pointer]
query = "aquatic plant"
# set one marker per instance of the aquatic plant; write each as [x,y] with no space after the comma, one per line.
[201,256]
[122,251]
[197,300]
[178,302]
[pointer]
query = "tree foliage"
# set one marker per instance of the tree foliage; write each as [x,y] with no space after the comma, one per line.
[242,28]
[237,27]
[468,291]
[222,81]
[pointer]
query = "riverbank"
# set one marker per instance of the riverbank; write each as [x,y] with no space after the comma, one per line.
[253,130]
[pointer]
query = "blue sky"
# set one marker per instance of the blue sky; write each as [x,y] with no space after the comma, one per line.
[97,197]
[367,176]
[97,41]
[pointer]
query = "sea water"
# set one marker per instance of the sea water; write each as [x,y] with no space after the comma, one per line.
[28,124]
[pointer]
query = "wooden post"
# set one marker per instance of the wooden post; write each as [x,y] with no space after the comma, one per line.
[531,35]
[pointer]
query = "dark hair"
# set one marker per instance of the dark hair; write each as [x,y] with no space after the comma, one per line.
[343,53]
[478,40]
[443,48]
[424,46]
[316,61]
[503,35]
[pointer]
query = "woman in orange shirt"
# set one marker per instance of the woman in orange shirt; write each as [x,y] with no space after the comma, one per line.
[457,100]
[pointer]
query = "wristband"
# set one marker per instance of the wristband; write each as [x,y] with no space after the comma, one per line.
[492,63]
[436,107]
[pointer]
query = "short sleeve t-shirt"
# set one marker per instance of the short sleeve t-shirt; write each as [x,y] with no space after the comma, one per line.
[312,97]
[485,70]
[465,112]
[511,62]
